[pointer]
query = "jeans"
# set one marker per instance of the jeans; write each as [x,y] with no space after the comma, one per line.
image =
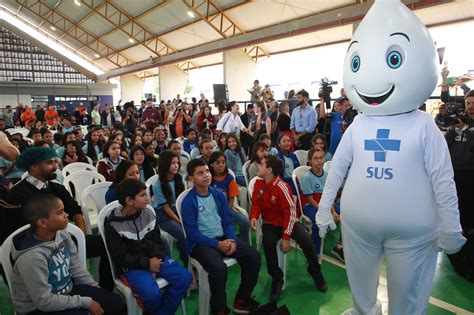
[111,303]
[244,225]
[176,230]
[95,248]
[212,261]
[240,181]
[310,212]
[150,297]
[272,234]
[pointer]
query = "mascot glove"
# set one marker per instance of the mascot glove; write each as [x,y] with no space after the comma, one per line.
[451,242]
[323,221]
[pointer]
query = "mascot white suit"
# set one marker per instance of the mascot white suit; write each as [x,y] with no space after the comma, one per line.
[399,200]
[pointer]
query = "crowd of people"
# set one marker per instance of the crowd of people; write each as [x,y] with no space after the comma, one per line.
[129,144]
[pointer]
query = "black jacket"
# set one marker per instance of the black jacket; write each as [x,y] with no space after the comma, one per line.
[461,147]
[133,240]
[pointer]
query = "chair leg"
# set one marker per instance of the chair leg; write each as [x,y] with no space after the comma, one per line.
[183,307]
[282,263]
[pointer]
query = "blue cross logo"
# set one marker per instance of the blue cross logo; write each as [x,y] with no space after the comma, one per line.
[382,144]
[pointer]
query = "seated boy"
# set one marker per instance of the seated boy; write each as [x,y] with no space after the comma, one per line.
[205,150]
[210,237]
[190,142]
[133,240]
[272,200]
[48,277]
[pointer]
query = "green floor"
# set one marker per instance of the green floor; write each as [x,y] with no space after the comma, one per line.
[302,298]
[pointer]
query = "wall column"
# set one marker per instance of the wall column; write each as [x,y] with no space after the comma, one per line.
[172,82]
[131,88]
[239,74]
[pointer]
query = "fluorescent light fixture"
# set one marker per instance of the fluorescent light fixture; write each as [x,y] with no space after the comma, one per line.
[77,2]
[191,14]
[97,55]
[131,40]
[49,41]
[53,28]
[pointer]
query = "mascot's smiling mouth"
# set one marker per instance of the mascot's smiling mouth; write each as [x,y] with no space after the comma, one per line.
[376,100]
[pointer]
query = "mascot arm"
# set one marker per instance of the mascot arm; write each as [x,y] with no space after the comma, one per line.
[440,172]
[339,165]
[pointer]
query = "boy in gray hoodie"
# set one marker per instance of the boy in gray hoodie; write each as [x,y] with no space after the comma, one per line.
[47,273]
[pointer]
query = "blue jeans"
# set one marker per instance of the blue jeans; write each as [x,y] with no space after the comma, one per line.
[244,225]
[150,296]
[310,212]
[240,181]
[212,261]
[174,229]
[111,303]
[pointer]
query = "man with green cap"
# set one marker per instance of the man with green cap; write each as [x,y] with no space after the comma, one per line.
[41,164]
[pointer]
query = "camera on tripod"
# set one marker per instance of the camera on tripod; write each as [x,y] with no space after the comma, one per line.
[456,112]
[325,91]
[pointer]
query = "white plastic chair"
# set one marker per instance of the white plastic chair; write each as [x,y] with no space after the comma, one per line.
[302,156]
[245,170]
[204,289]
[184,163]
[195,153]
[327,166]
[7,246]
[296,177]
[243,201]
[132,306]
[77,182]
[185,154]
[92,201]
[77,167]
[149,189]
[259,235]
[23,131]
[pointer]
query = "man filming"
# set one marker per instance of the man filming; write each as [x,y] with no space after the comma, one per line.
[460,139]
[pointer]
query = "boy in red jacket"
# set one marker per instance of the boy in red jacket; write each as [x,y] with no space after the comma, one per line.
[272,199]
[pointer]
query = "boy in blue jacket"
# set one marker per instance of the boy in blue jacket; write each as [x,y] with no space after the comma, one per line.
[210,237]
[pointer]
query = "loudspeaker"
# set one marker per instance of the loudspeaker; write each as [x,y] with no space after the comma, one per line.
[220,92]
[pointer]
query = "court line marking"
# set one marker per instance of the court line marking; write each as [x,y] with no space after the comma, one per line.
[437,302]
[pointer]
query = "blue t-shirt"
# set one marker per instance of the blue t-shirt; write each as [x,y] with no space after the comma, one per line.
[336,135]
[208,221]
[223,185]
[313,185]
[160,198]
[289,167]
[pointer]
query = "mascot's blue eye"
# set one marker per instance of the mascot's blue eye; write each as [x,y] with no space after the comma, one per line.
[355,64]
[394,59]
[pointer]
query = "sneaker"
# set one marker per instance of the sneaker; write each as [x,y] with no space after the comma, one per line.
[277,286]
[338,252]
[245,306]
[318,279]
[320,282]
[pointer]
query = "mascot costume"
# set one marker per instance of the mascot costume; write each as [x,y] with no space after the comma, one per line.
[399,200]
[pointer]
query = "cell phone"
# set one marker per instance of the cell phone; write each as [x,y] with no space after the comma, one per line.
[451,80]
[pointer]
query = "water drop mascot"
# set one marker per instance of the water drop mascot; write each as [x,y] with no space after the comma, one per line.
[399,200]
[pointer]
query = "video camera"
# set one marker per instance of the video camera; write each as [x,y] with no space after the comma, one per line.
[325,90]
[456,112]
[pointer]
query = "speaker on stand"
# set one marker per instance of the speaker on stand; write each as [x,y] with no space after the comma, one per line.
[220,92]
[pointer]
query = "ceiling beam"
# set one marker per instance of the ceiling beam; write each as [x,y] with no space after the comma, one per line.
[133,29]
[222,24]
[45,12]
[88,15]
[135,18]
[349,15]
[157,37]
